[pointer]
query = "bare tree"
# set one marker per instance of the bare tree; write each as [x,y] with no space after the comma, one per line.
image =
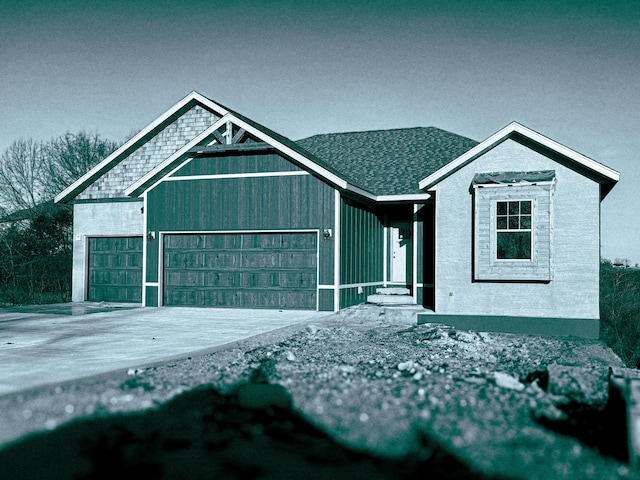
[35,249]
[72,155]
[23,175]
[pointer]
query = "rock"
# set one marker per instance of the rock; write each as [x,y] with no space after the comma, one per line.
[584,385]
[504,380]
[290,356]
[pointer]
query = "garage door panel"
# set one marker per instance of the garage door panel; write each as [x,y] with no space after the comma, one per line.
[222,242]
[221,279]
[260,260]
[293,298]
[260,279]
[297,260]
[181,296]
[300,242]
[297,280]
[188,278]
[115,269]
[221,259]
[262,270]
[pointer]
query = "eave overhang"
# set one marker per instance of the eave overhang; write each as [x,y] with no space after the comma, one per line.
[134,142]
[605,176]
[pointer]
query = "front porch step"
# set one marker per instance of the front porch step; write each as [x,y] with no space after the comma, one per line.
[392,291]
[395,299]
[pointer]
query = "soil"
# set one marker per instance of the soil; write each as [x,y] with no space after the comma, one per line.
[365,393]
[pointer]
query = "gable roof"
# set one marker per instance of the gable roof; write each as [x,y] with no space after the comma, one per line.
[138,140]
[388,162]
[605,176]
[286,146]
[380,165]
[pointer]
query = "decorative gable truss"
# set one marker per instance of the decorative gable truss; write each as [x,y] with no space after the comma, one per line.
[234,132]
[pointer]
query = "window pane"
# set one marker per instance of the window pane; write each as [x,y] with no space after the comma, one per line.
[502,223]
[514,246]
[513,223]
[525,208]
[502,208]
[514,208]
[525,221]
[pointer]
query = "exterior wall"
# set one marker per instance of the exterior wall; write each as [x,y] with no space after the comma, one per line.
[575,250]
[361,252]
[271,203]
[425,255]
[111,219]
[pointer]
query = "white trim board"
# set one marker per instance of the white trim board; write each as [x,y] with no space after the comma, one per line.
[507,132]
[356,285]
[193,97]
[236,175]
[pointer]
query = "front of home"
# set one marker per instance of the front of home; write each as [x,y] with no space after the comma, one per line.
[205,207]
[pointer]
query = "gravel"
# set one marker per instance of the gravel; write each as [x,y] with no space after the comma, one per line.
[368,387]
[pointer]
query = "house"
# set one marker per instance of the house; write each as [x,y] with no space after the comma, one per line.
[205,207]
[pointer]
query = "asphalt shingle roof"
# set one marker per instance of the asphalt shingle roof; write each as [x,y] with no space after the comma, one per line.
[387,162]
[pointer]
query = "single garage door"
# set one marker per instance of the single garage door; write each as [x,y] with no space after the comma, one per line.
[115,269]
[244,270]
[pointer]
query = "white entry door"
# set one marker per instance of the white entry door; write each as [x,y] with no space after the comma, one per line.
[401,237]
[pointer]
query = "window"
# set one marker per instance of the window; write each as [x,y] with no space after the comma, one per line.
[512,226]
[513,230]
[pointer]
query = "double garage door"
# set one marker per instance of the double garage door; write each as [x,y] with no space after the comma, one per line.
[244,270]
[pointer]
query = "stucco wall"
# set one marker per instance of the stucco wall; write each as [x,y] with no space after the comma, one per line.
[104,220]
[575,244]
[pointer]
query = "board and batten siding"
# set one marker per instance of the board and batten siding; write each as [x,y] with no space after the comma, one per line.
[425,254]
[235,164]
[361,252]
[100,219]
[574,244]
[242,204]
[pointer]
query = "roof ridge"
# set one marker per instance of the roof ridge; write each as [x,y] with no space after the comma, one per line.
[376,130]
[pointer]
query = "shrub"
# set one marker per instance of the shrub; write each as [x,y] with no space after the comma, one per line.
[620,310]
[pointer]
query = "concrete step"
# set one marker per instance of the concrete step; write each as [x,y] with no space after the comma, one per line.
[392,291]
[378,299]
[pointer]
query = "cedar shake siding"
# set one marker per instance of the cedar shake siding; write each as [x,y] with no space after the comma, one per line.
[149,154]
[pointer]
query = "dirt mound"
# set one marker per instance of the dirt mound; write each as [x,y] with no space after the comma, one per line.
[368,388]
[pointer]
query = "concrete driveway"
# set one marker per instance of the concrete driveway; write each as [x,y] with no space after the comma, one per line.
[56,343]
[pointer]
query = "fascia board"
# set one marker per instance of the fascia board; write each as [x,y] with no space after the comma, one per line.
[583,160]
[504,134]
[412,197]
[465,158]
[104,164]
[174,156]
[311,165]
[361,192]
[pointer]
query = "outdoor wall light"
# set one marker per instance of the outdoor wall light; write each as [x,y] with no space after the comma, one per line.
[327,233]
[151,236]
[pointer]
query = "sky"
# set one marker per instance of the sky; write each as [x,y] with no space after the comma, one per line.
[569,70]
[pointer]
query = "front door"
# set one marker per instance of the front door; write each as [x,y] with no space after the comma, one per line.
[401,250]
